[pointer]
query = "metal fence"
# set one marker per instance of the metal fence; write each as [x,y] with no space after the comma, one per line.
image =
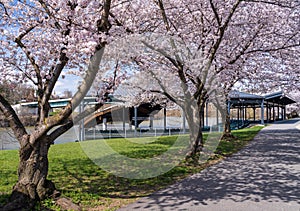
[94,133]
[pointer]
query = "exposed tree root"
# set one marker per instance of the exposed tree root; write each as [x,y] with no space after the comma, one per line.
[228,137]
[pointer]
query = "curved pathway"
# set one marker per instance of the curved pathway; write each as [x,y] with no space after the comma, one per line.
[265,175]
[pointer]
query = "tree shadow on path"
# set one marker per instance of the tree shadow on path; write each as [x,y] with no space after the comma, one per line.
[266,171]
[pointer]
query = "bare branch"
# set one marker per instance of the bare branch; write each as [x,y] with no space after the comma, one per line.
[163,13]
[51,83]
[243,50]
[215,12]
[268,50]
[4,8]
[44,5]
[14,121]
[103,23]
[71,122]
[19,42]
[222,29]
[60,130]
[285,4]
[162,52]
[169,96]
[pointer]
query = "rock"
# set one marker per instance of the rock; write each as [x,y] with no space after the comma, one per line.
[67,204]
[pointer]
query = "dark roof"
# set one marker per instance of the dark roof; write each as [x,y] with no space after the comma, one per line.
[279,98]
[241,98]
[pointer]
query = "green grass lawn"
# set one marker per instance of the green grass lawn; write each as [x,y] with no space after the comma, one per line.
[78,178]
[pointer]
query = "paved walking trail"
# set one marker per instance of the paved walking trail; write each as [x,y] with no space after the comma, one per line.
[263,176]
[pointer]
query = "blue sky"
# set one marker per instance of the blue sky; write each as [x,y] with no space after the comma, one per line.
[70,82]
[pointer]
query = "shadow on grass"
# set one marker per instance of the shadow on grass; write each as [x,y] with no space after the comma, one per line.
[3,199]
[82,178]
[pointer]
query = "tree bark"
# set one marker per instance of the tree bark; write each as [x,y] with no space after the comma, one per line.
[227,135]
[194,114]
[227,128]
[32,184]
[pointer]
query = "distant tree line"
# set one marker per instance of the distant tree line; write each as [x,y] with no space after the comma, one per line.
[16,92]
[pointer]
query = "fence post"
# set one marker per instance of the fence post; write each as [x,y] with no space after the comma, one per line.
[94,133]
[135,121]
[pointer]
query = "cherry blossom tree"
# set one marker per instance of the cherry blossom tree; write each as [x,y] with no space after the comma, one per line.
[214,44]
[296,106]
[267,58]
[206,42]
[40,41]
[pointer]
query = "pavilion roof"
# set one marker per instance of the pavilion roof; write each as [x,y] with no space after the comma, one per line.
[279,98]
[243,95]
[238,98]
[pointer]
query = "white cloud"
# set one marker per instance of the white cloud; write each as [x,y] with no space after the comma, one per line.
[70,82]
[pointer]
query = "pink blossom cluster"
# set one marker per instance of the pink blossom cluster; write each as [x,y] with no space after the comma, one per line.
[213,42]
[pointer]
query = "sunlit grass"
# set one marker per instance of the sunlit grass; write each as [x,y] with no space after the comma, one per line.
[243,136]
[78,178]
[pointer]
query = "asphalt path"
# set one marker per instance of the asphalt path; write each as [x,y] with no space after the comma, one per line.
[265,175]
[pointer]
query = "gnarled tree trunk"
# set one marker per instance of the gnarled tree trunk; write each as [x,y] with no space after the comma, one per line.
[32,184]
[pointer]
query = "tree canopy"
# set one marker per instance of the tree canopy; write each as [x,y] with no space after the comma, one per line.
[193,50]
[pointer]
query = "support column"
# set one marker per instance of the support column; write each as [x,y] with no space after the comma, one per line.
[267,110]
[81,125]
[124,118]
[278,111]
[238,116]
[135,120]
[165,119]
[206,114]
[254,114]
[151,121]
[262,115]
[228,110]
[130,124]
[243,115]
[104,124]
[274,112]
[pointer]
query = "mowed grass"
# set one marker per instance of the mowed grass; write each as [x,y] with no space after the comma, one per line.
[86,184]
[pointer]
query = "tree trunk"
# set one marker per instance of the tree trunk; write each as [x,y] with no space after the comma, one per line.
[227,129]
[196,142]
[227,135]
[32,184]
[194,116]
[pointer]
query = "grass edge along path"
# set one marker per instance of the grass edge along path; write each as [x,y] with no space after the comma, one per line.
[86,184]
